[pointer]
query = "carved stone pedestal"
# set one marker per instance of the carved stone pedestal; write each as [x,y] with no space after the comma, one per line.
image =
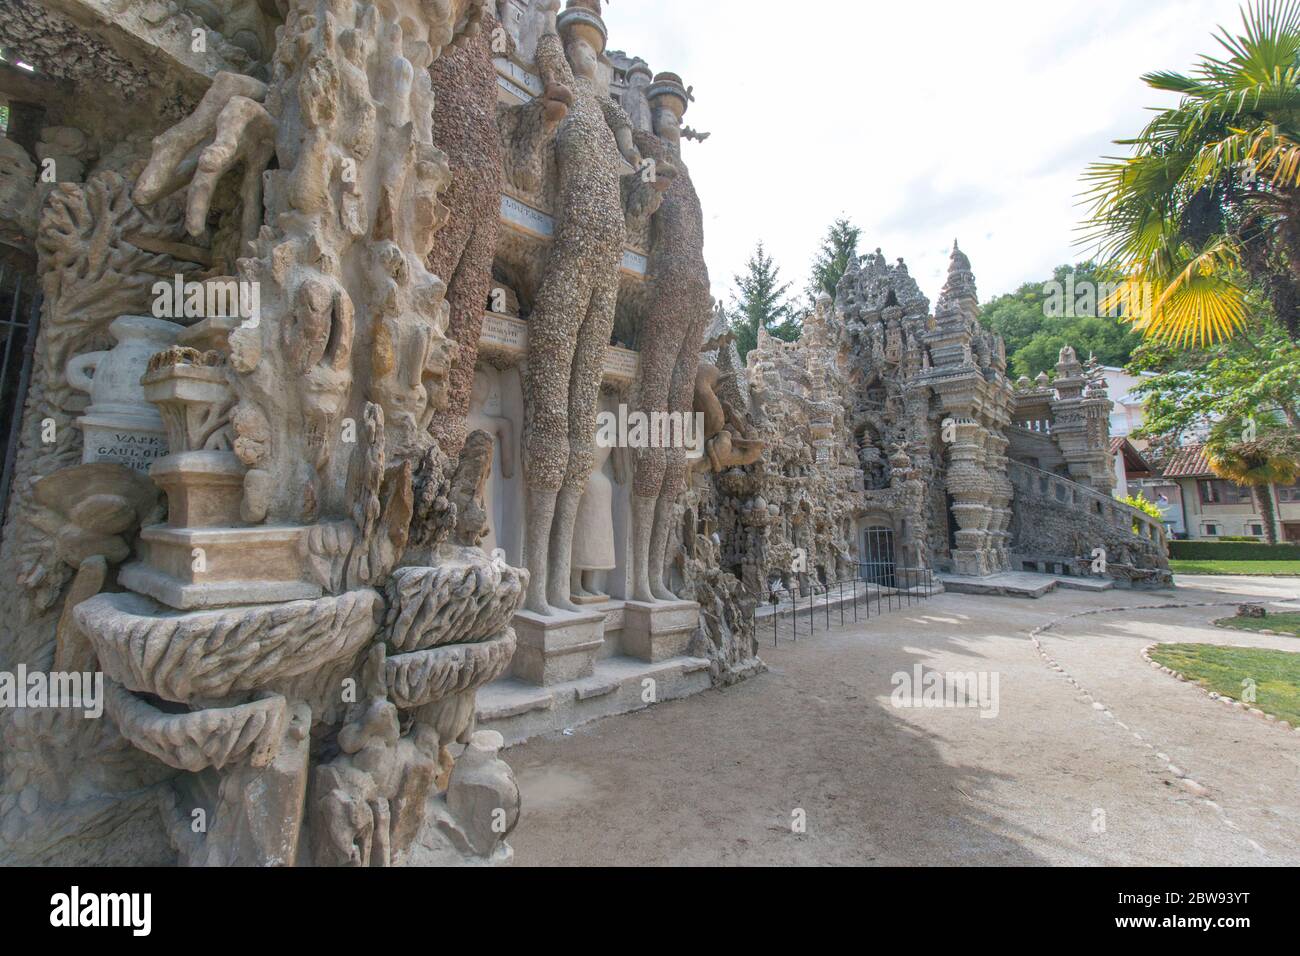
[656,632]
[190,568]
[204,488]
[558,647]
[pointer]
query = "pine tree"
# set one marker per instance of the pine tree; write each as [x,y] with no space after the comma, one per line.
[840,244]
[759,302]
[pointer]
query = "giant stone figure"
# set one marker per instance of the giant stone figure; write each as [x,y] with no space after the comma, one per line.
[574,312]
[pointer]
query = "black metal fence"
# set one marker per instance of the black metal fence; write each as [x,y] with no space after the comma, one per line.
[20,304]
[795,612]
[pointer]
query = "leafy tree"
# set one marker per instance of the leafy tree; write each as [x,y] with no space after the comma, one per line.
[759,302]
[839,246]
[1208,203]
[1255,457]
[1143,504]
[1255,375]
[1039,318]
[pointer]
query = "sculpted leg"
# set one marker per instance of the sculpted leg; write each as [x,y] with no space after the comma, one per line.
[537,536]
[584,389]
[643,514]
[553,338]
[561,552]
[663,516]
[575,583]
[681,397]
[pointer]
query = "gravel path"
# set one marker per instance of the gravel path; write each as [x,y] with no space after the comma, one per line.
[1057,776]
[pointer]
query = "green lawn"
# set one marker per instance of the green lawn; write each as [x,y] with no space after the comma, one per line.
[1288,623]
[1276,673]
[1235,567]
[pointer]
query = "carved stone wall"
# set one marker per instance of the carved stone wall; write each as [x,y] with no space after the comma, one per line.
[289,646]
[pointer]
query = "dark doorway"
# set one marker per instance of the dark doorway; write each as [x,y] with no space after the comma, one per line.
[19,311]
[878,556]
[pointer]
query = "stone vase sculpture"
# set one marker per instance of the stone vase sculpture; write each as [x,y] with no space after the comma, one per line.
[121,425]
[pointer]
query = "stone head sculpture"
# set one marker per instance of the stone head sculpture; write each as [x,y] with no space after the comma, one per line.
[584,35]
[668,101]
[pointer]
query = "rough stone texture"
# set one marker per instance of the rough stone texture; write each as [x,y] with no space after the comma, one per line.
[669,337]
[885,416]
[1058,523]
[282,431]
[451,603]
[464,128]
[574,311]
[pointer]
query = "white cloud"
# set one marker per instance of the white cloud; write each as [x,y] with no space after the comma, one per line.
[923,121]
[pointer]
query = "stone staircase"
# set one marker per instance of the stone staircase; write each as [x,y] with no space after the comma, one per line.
[1057,525]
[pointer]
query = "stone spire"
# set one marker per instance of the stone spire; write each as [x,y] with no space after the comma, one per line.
[959,290]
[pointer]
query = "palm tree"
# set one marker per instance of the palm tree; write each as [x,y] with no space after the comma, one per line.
[1207,205]
[1256,460]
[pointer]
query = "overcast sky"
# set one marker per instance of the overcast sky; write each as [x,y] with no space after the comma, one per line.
[921,120]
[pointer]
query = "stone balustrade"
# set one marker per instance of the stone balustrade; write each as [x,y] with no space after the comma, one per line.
[1036,483]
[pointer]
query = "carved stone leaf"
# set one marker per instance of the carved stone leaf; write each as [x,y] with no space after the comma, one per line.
[451,604]
[216,654]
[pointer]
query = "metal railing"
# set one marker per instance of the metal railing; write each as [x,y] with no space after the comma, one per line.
[840,603]
[20,304]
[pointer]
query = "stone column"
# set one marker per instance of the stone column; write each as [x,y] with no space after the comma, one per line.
[971,490]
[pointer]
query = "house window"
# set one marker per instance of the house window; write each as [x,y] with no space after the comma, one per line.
[1257,529]
[1211,530]
[1289,493]
[1214,492]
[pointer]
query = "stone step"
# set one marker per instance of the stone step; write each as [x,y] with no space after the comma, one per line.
[1085,584]
[1024,584]
[519,710]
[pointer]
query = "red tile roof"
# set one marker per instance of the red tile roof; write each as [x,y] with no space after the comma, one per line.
[1189,462]
[1134,464]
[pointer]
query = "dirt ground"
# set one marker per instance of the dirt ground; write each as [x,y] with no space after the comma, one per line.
[1065,773]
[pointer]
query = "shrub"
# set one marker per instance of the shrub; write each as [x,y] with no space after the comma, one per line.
[1232,551]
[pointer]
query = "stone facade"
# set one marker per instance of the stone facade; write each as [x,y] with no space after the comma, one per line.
[315,471]
[889,436]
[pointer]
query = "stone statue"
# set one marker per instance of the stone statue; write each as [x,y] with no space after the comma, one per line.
[574,311]
[466,128]
[727,440]
[593,536]
[670,337]
[487,415]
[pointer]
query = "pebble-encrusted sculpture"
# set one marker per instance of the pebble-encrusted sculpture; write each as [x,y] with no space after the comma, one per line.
[670,337]
[466,129]
[574,311]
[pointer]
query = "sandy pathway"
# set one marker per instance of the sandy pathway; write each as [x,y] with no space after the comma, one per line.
[718,778]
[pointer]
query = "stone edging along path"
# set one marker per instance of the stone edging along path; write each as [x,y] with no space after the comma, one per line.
[1189,784]
[1215,695]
